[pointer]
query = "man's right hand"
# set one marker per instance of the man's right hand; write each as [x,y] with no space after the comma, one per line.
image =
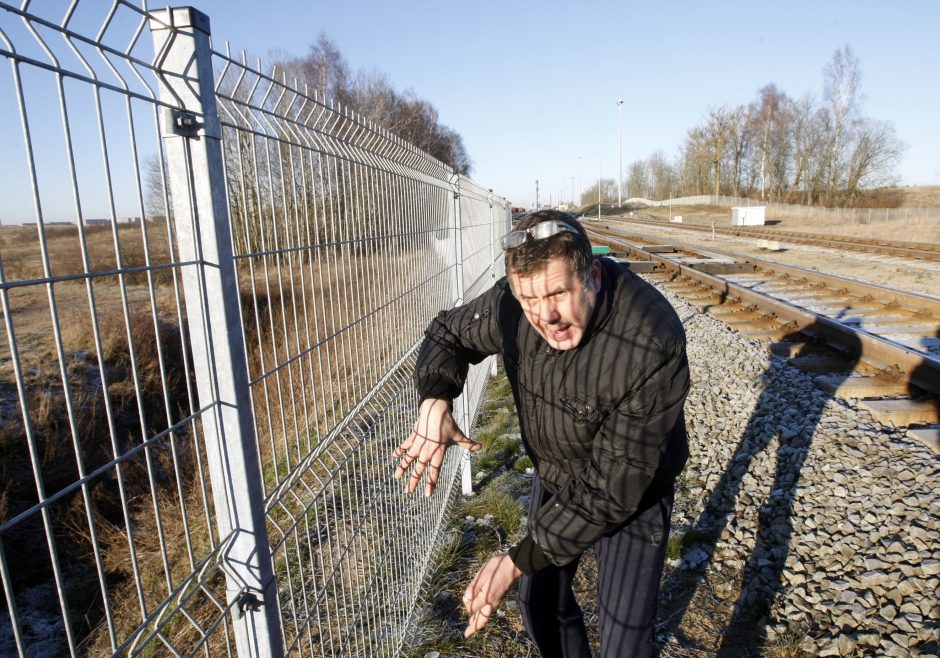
[433,433]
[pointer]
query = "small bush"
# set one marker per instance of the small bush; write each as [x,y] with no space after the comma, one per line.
[523,464]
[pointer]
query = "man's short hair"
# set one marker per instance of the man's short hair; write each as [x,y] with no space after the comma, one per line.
[533,255]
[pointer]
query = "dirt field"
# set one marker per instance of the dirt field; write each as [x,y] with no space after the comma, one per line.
[922,196]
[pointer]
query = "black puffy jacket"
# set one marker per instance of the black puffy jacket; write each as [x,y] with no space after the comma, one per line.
[602,422]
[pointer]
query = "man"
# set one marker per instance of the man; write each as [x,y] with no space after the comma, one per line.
[596,359]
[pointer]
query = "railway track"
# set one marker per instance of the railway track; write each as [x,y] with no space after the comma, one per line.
[917,250]
[868,342]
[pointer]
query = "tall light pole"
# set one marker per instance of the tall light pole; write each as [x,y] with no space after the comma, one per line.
[620,145]
[580,187]
[537,194]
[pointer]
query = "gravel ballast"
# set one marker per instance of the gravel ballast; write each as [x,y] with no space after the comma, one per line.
[829,519]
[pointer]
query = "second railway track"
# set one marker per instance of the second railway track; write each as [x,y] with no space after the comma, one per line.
[876,344]
[927,251]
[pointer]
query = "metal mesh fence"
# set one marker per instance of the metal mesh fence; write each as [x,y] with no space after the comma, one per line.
[212,293]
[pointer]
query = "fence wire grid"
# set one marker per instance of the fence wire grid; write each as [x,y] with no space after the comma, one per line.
[213,285]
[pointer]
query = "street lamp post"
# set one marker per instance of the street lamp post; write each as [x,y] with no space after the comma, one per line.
[580,187]
[620,146]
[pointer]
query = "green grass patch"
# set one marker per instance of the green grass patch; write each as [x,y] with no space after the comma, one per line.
[498,450]
[503,509]
[679,542]
[522,464]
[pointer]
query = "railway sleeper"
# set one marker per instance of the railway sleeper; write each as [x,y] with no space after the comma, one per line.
[752,325]
[766,334]
[861,386]
[902,412]
[929,436]
[877,320]
[640,266]
[822,363]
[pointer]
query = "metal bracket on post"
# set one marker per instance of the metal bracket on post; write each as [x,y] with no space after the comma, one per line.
[182,123]
[248,602]
[196,178]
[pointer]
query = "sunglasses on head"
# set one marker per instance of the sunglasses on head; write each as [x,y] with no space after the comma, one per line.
[537,232]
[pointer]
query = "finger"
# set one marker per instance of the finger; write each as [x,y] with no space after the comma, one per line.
[478,620]
[406,462]
[469,593]
[465,441]
[433,473]
[405,445]
[420,466]
[476,599]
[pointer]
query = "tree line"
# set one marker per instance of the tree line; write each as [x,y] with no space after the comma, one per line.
[779,149]
[271,184]
[372,95]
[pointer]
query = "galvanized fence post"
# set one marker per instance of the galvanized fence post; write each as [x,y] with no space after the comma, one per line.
[192,134]
[463,414]
[493,256]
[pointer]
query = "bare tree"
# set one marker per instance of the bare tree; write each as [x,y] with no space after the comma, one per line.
[695,159]
[716,129]
[638,176]
[739,145]
[662,176]
[608,192]
[772,115]
[809,135]
[156,196]
[842,80]
[875,153]
[372,95]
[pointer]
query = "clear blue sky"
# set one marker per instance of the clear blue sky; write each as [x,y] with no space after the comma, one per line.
[531,86]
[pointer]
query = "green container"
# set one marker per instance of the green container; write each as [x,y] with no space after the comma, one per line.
[598,251]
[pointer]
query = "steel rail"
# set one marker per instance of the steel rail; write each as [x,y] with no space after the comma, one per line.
[881,353]
[912,301]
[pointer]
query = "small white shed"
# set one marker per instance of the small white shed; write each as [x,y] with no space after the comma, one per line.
[748,216]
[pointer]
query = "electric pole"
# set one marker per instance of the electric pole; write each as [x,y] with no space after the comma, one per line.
[620,145]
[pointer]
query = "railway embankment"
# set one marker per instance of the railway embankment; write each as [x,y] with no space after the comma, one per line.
[801,518]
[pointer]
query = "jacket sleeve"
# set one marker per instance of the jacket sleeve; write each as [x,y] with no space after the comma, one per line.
[457,338]
[631,445]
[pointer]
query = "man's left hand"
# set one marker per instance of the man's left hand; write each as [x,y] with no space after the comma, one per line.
[487,589]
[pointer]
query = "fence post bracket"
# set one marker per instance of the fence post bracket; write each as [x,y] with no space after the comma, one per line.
[182,123]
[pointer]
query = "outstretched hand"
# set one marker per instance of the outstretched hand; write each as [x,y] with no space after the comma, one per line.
[433,433]
[487,589]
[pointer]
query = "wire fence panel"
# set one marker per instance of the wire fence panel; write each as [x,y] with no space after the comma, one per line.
[106,539]
[211,306]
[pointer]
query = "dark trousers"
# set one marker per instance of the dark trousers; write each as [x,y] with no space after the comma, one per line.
[629,564]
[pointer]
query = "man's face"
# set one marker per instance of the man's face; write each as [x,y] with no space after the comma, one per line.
[556,302]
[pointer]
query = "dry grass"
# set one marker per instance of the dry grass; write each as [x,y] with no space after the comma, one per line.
[915,196]
[131,245]
[342,326]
